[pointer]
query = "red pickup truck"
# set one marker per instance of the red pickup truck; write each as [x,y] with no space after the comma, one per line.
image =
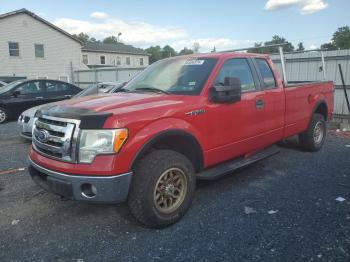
[184,118]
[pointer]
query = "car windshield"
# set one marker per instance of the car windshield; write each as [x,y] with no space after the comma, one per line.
[180,75]
[9,86]
[90,90]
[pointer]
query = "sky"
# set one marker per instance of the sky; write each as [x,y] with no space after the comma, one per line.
[225,24]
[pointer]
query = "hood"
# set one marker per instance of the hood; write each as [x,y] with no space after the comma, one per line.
[31,111]
[121,102]
[93,111]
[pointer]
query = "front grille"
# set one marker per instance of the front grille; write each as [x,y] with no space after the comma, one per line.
[56,137]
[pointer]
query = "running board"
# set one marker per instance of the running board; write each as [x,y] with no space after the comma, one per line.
[228,167]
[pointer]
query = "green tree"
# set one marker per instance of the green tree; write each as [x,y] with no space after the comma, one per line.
[340,39]
[263,48]
[110,40]
[300,47]
[155,53]
[329,46]
[82,37]
[94,40]
[186,51]
[168,51]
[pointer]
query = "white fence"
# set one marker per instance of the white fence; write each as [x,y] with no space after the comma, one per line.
[308,67]
[84,78]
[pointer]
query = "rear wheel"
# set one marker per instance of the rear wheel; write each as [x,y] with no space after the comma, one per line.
[3,115]
[314,136]
[162,188]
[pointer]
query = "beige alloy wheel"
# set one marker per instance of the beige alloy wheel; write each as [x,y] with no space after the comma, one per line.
[170,190]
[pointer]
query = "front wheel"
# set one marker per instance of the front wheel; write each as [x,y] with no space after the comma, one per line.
[162,189]
[312,139]
[3,115]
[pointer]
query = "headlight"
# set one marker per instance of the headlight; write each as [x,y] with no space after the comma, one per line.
[97,142]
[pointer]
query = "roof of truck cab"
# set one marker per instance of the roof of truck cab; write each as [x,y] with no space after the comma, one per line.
[225,55]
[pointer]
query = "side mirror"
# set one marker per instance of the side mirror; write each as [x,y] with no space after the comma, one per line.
[230,92]
[16,93]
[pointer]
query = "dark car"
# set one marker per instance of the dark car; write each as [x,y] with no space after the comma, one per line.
[20,95]
[2,83]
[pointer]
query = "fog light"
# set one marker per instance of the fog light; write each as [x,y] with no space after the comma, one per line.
[88,190]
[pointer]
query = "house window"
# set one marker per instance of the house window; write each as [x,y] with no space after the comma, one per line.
[64,78]
[42,77]
[119,61]
[85,59]
[141,61]
[102,59]
[39,50]
[14,48]
[128,61]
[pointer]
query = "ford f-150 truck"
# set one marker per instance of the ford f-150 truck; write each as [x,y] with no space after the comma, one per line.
[184,118]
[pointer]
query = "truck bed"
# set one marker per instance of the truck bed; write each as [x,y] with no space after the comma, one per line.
[302,97]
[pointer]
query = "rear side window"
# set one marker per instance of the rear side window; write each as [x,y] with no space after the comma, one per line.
[266,73]
[56,87]
[239,68]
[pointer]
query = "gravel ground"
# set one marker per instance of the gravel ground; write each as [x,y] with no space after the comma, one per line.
[284,208]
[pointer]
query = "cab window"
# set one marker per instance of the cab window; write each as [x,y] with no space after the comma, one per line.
[56,87]
[239,68]
[266,73]
[33,87]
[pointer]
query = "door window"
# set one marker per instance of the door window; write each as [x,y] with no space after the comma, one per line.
[56,87]
[33,87]
[239,68]
[266,73]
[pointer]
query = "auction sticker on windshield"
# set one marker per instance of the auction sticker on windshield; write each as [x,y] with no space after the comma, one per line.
[194,62]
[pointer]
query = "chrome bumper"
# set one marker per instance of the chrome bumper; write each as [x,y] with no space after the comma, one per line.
[104,189]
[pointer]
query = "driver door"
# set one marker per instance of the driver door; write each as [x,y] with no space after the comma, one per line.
[234,128]
[27,95]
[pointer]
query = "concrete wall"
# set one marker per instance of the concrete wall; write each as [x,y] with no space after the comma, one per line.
[61,52]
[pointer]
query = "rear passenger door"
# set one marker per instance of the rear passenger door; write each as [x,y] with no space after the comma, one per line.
[272,101]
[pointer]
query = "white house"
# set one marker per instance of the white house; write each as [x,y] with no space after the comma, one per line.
[32,47]
[120,55]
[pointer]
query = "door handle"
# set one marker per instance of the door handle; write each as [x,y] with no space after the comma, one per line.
[259,104]
[39,97]
[68,96]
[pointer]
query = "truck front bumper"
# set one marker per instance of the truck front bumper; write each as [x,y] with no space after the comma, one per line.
[98,189]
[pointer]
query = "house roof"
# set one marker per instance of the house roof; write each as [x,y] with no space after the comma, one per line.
[113,48]
[25,11]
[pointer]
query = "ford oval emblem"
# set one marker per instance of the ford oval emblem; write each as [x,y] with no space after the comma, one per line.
[43,136]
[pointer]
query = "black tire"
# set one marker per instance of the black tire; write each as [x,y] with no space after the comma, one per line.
[309,140]
[3,115]
[147,174]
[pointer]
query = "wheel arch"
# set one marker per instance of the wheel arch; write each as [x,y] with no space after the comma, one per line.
[173,139]
[320,108]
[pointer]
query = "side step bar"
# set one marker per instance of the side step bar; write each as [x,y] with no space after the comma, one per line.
[228,167]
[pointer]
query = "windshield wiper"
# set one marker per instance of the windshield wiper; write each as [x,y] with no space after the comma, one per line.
[152,89]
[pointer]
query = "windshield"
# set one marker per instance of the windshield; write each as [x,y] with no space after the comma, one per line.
[183,76]
[90,90]
[9,86]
